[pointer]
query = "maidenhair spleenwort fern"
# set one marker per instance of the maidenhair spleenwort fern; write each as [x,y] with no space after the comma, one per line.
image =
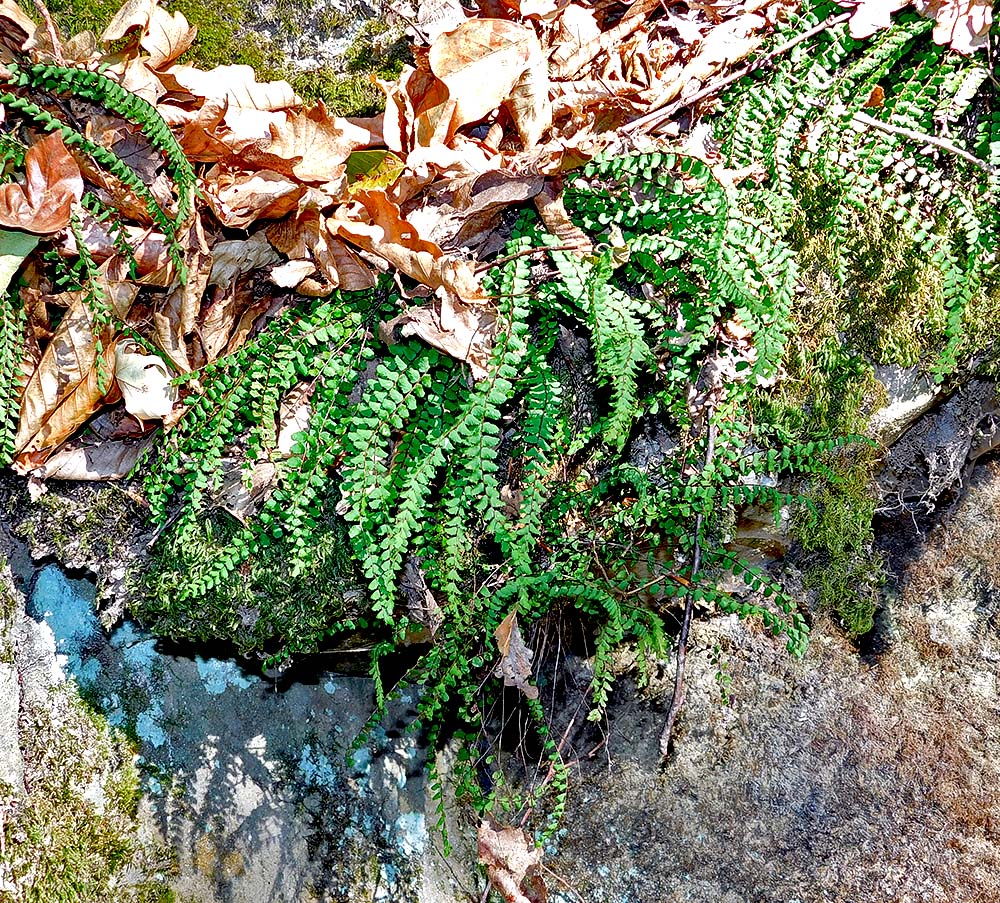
[852,114]
[487,489]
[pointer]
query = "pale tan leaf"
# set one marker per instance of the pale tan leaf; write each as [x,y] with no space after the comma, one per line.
[418,111]
[962,24]
[465,333]
[233,259]
[513,863]
[316,145]
[236,84]
[294,416]
[553,213]
[481,61]
[134,14]
[515,657]
[529,103]
[109,460]
[166,36]
[240,198]
[577,29]
[52,184]
[435,17]
[144,381]
[218,318]
[291,273]
[536,9]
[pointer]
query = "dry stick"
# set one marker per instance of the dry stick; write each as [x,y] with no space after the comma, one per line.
[677,700]
[653,120]
[50,27]
[527,252]
[942,143]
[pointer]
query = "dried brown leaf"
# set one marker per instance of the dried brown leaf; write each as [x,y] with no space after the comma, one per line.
[553,213]
[420,602]
[109,460]
[52,184]
[239,198]
[481,61]
[316,145]
[515,657]
[513,863]
[465,333]
[166,37]
[238,85]
[71,381]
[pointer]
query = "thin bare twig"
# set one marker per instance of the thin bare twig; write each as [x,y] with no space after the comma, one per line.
[923,138]
[677,700]
[653,120]
[50,27]
[483,267]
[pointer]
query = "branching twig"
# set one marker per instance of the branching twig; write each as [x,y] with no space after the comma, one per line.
[653,120]
[922,137]
[677,700]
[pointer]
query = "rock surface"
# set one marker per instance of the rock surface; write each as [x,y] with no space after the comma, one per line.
[826,780]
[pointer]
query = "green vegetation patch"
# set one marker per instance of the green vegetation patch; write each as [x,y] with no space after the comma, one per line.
[74,837]
[261,607]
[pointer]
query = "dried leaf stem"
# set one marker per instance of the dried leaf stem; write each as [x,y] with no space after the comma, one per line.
[677,699]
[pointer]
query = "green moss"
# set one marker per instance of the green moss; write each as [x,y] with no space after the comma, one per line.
[344,95]
[263,608]
[60,843]
[844,569]
[90,527]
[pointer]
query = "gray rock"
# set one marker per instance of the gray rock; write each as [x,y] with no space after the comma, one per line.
[826,780]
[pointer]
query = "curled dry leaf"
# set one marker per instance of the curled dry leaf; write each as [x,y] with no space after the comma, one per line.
[144,382]
[465,333]
[394,239]
[515,657]
[110,460]
[234,259]
[237,85]
[239,198]
[420,602]
[418,111]
[18,31]
[52,184]
[513,863]
[553,213]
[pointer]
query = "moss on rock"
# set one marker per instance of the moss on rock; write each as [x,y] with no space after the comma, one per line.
[75,836]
